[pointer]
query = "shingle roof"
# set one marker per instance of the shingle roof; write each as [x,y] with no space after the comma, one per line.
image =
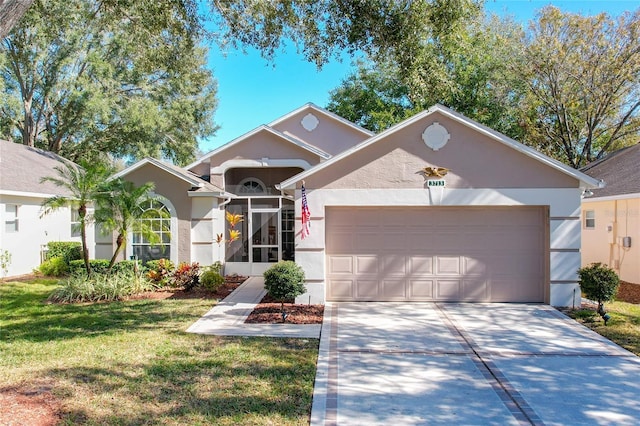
[620,170]
[22,167]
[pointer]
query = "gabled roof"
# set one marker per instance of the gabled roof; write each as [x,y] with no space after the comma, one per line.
[263,128]
[437,108]
[322,111]
[22,167]
[195,181]
[619,169]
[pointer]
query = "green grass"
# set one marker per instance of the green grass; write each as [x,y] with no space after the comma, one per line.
[623,328]
[131,363]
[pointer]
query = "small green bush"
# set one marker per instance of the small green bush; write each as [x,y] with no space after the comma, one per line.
[54,267]
[99,287]
[128,266]
[211,278]
[186,275]
[98,266]
[598,282]
[284,280]
[67,250]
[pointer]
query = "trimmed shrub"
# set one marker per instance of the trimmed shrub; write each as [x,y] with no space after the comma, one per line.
[67,250]
[284,280]
[99,287]
[211,278]
[54,267]
[186,276]
[98,266]
[128,266]
[598,282]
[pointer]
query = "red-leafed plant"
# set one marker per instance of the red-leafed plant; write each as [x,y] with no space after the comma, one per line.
[187,275]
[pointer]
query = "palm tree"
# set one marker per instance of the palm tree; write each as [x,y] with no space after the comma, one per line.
[121,210]
[84,185]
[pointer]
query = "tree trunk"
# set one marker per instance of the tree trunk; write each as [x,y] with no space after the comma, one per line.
[10,13]
[82,212]
[119,245]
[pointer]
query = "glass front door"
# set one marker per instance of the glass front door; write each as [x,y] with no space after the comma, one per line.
[265,236]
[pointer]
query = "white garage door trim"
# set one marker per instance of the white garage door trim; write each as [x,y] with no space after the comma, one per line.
[475,254]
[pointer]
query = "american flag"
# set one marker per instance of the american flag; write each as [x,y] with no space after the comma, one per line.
[306,215]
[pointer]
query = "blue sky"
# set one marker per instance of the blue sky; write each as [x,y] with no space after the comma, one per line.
[252,91]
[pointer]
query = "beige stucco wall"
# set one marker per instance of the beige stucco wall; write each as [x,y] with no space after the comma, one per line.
[263,144]
[614,219]
[474,160]
[175,190]
[331,135]
[484,172]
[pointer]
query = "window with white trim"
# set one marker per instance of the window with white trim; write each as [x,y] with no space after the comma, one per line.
[251,186]
[75,222]
[156,218]
[11,218]
[589,219]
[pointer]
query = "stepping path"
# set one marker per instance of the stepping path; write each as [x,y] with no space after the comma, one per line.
[227,317]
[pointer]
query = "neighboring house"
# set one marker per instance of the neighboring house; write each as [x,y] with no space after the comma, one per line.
[25,231]
[503,225]
[611,215]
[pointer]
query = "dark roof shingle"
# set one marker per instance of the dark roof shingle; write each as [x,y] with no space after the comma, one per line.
[620,170]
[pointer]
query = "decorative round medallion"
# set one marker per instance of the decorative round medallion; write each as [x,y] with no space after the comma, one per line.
[435,136]
[309,122]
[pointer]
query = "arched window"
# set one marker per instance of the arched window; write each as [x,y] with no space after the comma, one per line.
[251,186]
[156,218]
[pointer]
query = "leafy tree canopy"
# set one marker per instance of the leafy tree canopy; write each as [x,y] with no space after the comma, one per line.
[127,78]
[583,78]
[465,67]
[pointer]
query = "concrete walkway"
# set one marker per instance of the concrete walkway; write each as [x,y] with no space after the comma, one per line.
[471,364]
[227,317]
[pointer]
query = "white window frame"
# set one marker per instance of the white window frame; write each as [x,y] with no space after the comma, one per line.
[589,219]
[174,229]
[74,223]
[11,218]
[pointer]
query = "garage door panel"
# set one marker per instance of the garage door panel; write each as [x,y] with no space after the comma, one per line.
[448,290]
[475,290]
[341,265]
[474,265]
[394,264]
[341,289]
[367,289]
[367,242]
[394,289]
[421,289]
[447,265]
[367,265]
[420,265]
[437,253]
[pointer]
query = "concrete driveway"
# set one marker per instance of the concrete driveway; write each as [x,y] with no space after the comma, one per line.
[469,364]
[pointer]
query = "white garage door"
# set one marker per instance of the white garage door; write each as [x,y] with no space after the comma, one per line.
[493,254]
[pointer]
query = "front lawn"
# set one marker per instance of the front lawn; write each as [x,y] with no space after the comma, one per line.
[132,363]
[623,328]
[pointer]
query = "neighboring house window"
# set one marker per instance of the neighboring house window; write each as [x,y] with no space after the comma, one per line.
[251,186]
[158,219]
[589,219]
[75,223]
[11,218]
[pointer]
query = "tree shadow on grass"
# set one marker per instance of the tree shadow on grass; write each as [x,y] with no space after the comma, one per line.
[240,380]
[37,321]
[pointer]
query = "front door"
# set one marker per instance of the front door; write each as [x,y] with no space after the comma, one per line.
[264,241]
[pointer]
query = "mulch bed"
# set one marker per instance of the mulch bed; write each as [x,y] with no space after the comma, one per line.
[29,406]
[268,312]
[230,284]
[628,292]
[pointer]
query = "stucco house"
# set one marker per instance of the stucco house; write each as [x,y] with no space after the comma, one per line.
[436,208]
[25,231]
[611,215]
